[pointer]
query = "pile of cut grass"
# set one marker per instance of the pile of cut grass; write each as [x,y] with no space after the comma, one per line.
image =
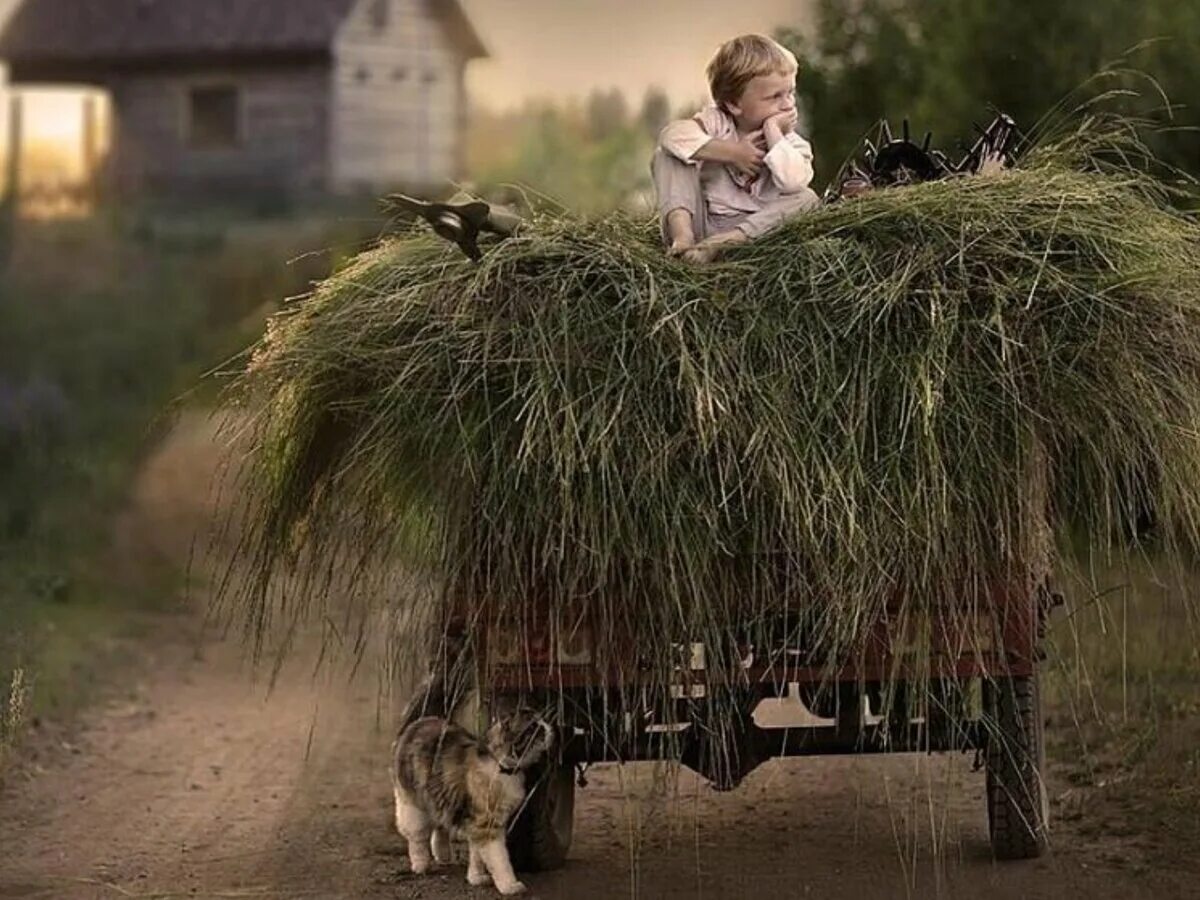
[891,405]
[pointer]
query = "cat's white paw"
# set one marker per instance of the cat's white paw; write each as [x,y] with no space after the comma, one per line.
[422,868]
[478,879]
[509,890]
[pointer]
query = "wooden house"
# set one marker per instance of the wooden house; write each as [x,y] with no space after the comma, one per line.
[298,96]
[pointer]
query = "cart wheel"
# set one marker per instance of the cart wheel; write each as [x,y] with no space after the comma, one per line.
[1018,808]
[540,836]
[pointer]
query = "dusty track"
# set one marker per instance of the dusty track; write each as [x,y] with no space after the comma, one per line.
[196,784]
[192,782]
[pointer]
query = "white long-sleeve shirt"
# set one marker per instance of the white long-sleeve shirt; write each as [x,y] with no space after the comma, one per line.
[787,166]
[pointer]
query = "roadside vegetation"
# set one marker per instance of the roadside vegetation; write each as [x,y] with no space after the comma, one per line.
[107,325]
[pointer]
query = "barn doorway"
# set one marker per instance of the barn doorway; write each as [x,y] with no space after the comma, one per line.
[56,142]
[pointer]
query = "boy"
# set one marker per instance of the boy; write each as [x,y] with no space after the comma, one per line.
[736,169]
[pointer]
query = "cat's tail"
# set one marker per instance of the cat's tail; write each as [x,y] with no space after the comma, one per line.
[444,689]
[441,693]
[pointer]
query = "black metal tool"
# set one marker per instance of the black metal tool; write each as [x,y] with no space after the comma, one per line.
[994,141]
[460,220]
[891,161]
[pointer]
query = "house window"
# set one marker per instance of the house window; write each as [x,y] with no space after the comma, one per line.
[379,14]
[213,117]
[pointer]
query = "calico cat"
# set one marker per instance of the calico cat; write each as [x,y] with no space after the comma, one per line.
[447,781]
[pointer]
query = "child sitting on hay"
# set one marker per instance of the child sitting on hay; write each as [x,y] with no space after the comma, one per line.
[737,168]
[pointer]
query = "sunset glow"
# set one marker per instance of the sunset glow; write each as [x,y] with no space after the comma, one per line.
[53,131]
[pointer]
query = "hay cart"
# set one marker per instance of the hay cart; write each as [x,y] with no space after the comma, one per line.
[984,699]
[966,680]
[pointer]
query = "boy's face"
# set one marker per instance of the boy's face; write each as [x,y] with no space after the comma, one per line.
[764,96]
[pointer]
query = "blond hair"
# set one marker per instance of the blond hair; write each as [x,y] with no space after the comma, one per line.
[742,59]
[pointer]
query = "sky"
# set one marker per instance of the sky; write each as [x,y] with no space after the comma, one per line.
[560,48]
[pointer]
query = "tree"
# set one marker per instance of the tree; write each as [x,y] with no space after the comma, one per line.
[655,112]
[550,149]
[944,63]
[607,113]
[860,65]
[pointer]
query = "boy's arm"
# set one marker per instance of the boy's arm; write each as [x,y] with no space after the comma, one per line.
[687,140]
[682,138]
[790,161]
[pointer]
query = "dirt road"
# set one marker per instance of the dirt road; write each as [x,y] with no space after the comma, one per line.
[194,783]
[190,781]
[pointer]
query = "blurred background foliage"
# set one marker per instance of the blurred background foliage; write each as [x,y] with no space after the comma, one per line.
[108,324]
[944,63]
[590,156]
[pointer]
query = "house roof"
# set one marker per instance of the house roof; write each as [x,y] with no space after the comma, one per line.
[57,37]
[460,27]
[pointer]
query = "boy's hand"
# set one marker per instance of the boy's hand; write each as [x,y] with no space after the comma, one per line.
[746,154]
[993,163]
[775,127]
